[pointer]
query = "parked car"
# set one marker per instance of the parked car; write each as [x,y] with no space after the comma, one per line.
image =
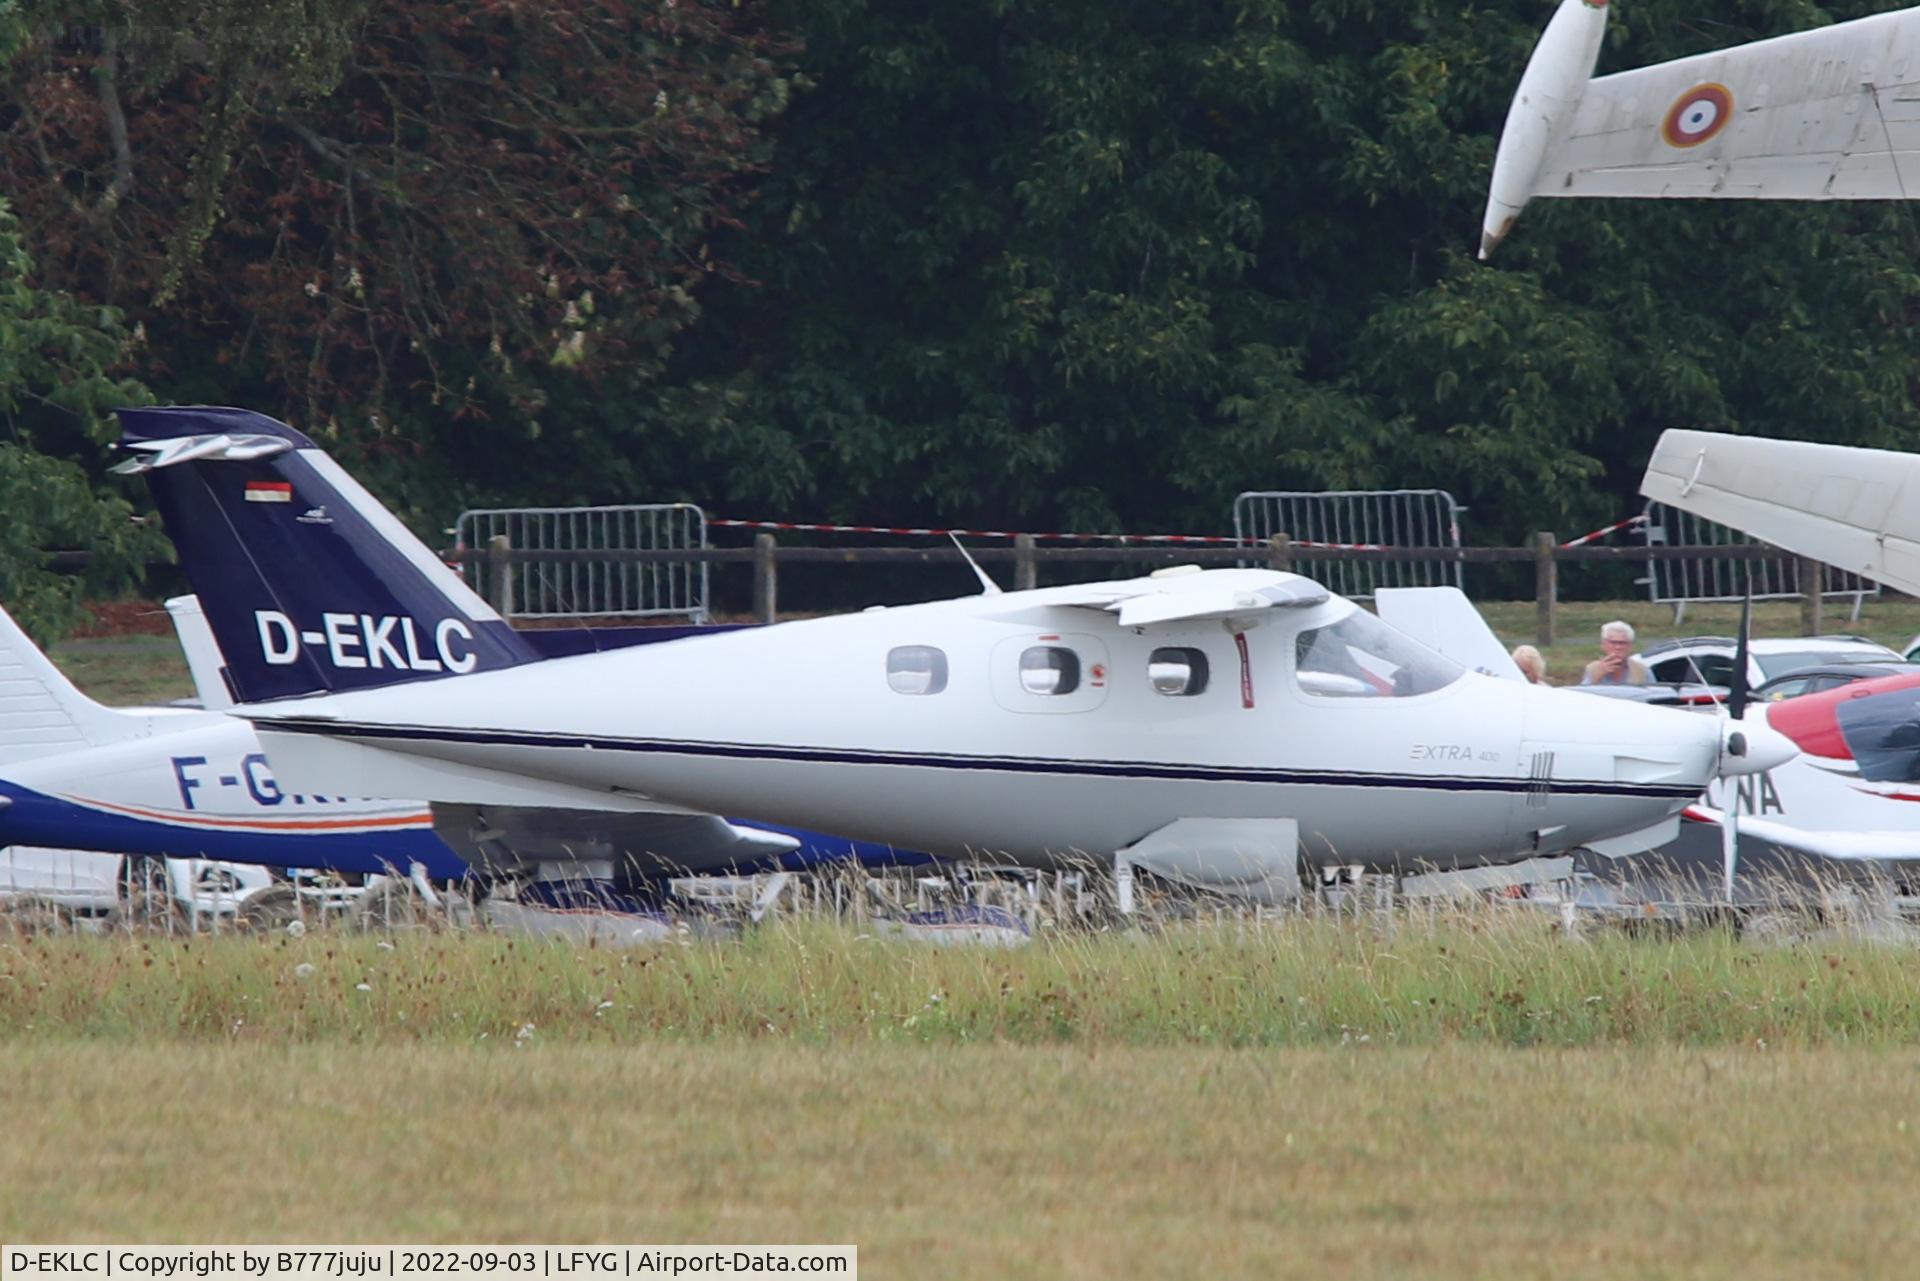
[1709,659]
[1815,679]
[89,885]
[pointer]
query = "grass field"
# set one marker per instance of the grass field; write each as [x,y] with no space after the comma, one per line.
[1469,1094]
[1468,1097]
[1480,975]
[126,670]
[993,1160]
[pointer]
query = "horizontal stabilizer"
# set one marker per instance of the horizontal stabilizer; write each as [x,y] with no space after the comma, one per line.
[1853,508]
[41,711]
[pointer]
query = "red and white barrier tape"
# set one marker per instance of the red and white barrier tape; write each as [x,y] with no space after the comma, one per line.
[917,532]
[1614,528]
[904,531]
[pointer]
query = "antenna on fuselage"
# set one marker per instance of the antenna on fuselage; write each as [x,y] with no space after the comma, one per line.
[987,586]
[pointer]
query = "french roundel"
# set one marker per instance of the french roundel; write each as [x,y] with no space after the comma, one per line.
[1700,114]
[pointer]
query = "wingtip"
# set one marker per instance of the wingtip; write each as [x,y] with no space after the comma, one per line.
[1493,233]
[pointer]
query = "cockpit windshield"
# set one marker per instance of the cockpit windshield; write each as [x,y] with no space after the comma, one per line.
[1362,657]
[1883,733]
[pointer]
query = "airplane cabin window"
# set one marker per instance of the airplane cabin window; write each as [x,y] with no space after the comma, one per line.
[1177,671]
[1049,670]
[1362,657]
[916,669]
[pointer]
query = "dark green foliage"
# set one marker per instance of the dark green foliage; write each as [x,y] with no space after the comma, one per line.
[1095,265]
[1061,265]
[56,392]
[411,228]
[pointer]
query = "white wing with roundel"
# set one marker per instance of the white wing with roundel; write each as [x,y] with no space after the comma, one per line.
[1827,114]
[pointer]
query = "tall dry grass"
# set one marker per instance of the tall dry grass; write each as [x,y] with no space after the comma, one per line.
[1477,975]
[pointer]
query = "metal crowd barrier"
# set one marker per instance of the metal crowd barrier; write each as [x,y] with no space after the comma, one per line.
[1706,577]
[584,586]
[1372,520]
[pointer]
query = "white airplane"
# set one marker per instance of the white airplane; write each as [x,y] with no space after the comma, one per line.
[175,783]
[1211,726]
[184,784]
[1827,114]
[1853,794]
[1850,795]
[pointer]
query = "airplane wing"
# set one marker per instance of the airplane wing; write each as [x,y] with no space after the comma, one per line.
[1180,598]
[1442,618]
[1835,503]
[512,836]
[1828,114]
[1842,847]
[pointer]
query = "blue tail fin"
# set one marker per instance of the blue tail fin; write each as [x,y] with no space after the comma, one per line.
[309,584]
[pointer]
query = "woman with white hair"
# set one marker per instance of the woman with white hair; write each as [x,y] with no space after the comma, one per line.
[1617,665]
[1531,663]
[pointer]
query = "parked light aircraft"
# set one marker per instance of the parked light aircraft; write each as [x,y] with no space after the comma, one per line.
[1211,726]
[174,782]
[635,852]
[1827,114]
[1849,797]
[1858,509]
[180,783]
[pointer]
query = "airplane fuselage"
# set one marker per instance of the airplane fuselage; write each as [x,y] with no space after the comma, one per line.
[810,723]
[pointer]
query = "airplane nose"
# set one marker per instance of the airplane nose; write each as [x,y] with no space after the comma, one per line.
[1752,746]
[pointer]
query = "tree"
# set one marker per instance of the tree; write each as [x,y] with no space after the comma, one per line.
[1087,266]
[452,214]
[57,391]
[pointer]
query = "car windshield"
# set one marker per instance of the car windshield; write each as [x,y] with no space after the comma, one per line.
[1362,657]
[1800,659]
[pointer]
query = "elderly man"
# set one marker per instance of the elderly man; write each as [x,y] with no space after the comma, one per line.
[1618,666]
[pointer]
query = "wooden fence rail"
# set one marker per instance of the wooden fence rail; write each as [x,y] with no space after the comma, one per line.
[766,556]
